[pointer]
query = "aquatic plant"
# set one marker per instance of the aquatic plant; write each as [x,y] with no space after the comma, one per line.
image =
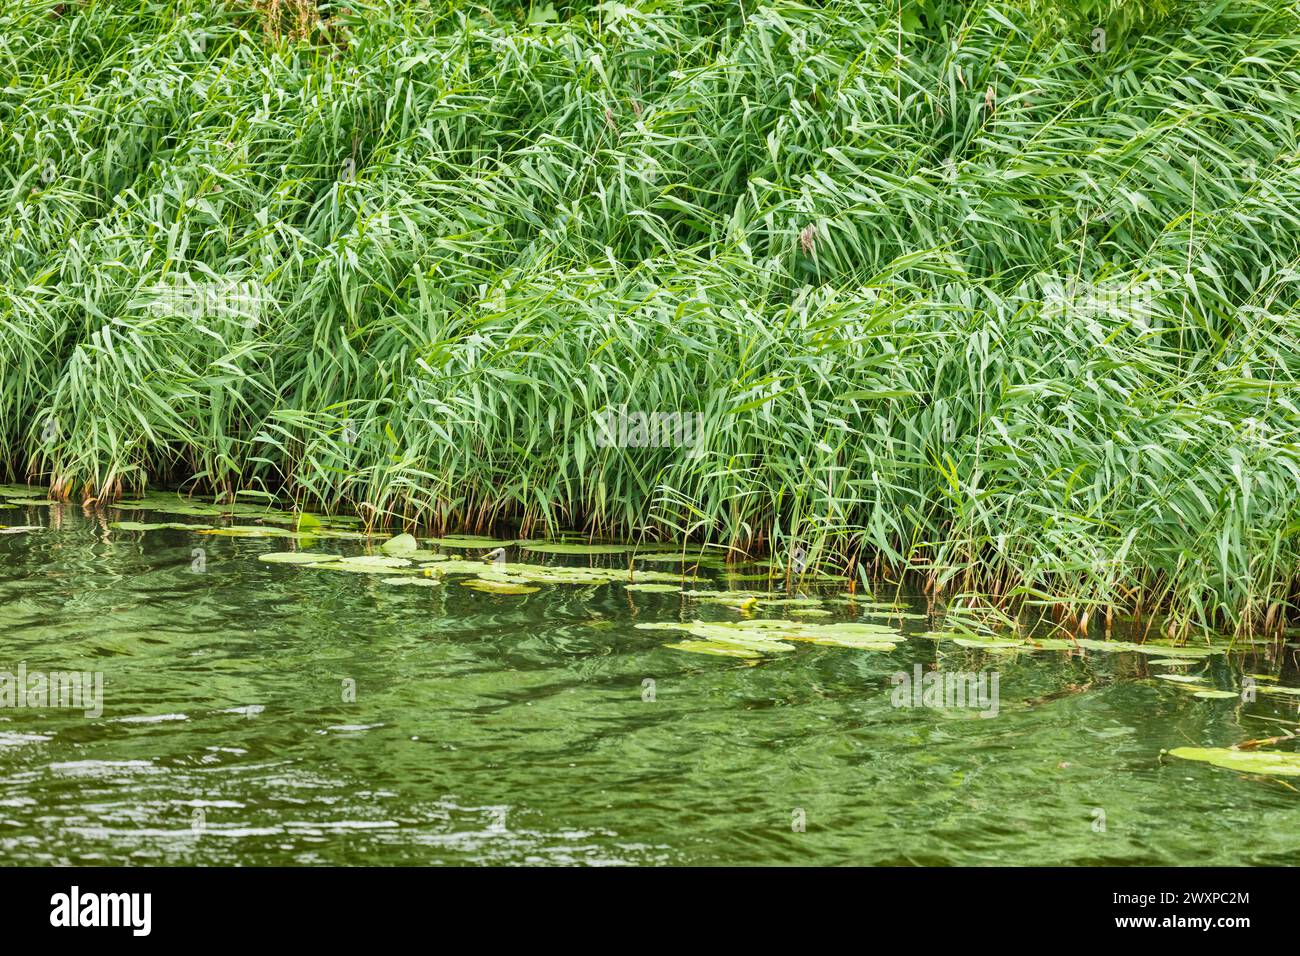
[947,287]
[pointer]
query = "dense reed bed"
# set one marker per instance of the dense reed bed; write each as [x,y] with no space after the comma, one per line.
[997,292]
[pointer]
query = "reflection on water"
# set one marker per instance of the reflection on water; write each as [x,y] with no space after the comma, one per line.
[269,714]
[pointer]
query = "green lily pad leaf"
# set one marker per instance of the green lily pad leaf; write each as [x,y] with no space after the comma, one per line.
[652,587]
[1294,691]
[400,544]
[1246,761]
[469,541]
[21,491]
[561,547]
[32,501]
[1214,694]
[296,557]
[1171,661]
[21,529]
[248,531]
[771,634]
[373,563]
[810,611]
[1180,678]
[716,648]
[1155,650]
[1047,644]
[499,587]
[338,534]
[987,643]
[195,509]
[307,522]
[424,581]
[157,526]
[1262,677]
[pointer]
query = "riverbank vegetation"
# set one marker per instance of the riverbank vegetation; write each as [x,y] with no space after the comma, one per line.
[1003,293]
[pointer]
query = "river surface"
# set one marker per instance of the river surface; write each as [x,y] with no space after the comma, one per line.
[271,714]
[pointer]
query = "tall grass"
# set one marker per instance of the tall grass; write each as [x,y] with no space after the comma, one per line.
[955,287]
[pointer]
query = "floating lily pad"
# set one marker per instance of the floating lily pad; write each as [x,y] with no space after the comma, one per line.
[1214,694]
[1180,678]
[373,563]
[771,634]
[561,547]
[296,557]
[248,531]
[1155,650]
[156,526]
[1171,661]
[499,587]
[1294,691]
[21,491]
[651,587]
[32,501]
[400,544]
[1047,644]
[810,611]
[21,529]
[988,643]
[426,581]
[716,648]
[1246,761]
[469,541]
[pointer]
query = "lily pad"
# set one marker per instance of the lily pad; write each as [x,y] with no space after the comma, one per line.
[561,547]
[21,491]
[771,634]
[1155,650]
[373,563]
[987,643]
[296,557]
[1246,761]
[1214,694]
[248,531]
[21,529]
[1171,661]
[499,587]
[651,587]
[400,544]
[469,541]
[427,581]
[1180,678]
[716,648]
[1273,689]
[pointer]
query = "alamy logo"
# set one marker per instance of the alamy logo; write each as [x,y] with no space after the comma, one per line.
[103,909]
[619,428]
[945,690]
[78,690]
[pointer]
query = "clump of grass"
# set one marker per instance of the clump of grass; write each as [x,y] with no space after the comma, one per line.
[953,294]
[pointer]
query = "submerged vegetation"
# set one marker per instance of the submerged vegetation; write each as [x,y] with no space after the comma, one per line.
[969,289]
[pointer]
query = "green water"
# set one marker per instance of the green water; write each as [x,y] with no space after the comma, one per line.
[514,730]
